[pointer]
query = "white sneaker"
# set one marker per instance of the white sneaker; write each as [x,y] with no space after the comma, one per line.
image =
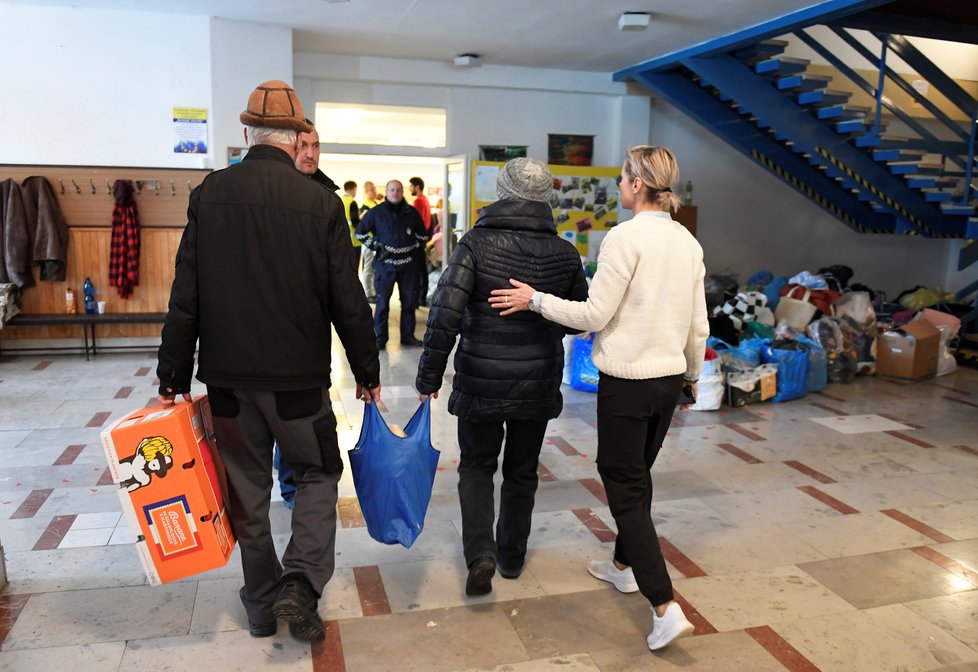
[669,627]
[622,579]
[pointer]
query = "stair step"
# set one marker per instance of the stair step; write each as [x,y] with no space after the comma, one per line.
[884,141]
[914,168]
[842,112]
[823,96]
[897,154]
[850,126]
[925,182]
[803,82]
[936,196]
[781,65]
[762,49]
[957,209]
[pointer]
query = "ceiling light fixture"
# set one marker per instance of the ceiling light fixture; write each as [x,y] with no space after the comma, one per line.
[634,21]
[468,60]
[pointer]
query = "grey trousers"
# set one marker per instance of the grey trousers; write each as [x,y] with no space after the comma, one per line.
[246,425]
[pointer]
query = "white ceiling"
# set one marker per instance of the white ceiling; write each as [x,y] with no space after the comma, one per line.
[564,34]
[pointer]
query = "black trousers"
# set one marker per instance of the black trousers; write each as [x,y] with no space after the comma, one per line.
[246,425]
[480,444]
[633,417]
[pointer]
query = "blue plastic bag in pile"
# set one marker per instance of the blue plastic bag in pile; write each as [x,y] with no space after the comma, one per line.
[792,370]
[743,357]
[818,365]
[584,374]
[393,475]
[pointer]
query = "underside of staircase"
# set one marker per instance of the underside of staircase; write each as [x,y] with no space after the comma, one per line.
[877,167]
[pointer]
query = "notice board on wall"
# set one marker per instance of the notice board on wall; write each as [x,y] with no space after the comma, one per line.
[585,201]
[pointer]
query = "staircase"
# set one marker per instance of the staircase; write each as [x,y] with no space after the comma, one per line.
[802,127]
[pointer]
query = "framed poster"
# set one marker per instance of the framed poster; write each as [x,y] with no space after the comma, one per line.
[585,201]
[569,150]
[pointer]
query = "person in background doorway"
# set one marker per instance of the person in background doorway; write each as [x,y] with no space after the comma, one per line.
[507,370]
[395,232]
[370,199]
[352,217]
[263,275]
[420,203]
[647,308]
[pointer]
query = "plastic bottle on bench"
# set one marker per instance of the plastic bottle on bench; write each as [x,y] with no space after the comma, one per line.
[90,307]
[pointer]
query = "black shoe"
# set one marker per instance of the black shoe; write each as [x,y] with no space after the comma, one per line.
[263,630]
[381,345]
[480,577]
[411,342]
[371,299]
[510,572]
[296,605]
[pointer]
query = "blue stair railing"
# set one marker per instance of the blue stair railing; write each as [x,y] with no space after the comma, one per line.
[789,119]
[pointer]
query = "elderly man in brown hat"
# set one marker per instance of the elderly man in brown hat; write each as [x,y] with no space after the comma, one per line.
[264,269]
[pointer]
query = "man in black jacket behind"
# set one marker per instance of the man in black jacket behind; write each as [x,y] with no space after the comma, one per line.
[507,371]
[263,269]
[395,232]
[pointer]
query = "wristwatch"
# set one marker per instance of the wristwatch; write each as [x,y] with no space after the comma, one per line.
[535,301]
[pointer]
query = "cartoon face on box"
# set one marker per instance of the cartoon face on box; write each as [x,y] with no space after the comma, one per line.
[153,458]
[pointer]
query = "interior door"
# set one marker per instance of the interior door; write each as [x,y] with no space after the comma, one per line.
[455,214]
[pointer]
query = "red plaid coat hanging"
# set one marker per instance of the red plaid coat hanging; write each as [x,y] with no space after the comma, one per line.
[124,254]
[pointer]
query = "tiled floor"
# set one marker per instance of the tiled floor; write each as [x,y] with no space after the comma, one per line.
[836,532]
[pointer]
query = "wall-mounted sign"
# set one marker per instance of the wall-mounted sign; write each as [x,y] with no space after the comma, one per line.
[189,130]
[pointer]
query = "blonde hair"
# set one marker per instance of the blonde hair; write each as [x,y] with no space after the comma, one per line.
[659,172]
[153,446]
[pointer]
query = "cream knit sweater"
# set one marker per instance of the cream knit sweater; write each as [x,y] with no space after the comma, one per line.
[646,302]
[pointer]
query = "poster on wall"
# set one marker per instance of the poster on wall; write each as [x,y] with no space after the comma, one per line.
[569,150]
[585,201]
[189,130]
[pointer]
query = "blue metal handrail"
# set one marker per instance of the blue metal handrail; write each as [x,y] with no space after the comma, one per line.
[879,90]
[931,140]
[886,71]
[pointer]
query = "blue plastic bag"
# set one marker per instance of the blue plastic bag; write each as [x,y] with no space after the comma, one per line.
[818,365]
[792,371]
[745,356]
[393,475]
[772,291]
[584,374]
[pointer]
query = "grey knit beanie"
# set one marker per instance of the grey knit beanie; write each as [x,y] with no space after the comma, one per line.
[527,179]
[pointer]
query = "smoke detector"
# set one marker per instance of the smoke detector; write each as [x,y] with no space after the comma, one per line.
[634,20]
[468,60]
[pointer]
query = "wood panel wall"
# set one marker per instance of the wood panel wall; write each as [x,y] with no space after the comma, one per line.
[162,215]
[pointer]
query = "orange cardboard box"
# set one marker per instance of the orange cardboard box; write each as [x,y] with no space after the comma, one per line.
[170,480]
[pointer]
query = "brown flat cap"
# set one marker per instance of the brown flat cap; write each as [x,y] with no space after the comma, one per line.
[274,105]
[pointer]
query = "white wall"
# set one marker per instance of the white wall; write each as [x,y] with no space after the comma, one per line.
[95,87]
[490,105]
[242,56]
[749,220]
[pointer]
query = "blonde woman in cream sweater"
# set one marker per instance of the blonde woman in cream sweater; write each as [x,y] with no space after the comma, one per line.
[647,308]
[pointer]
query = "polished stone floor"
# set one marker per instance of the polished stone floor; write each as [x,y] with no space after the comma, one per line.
[835,532]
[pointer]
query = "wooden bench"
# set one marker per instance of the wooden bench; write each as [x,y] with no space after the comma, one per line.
[88,323]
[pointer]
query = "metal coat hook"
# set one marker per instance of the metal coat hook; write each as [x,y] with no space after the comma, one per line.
[156,187]
[189,188]
[139,187]
[173,189]
[108,187]
[91,181]
[62,183]
[77,188]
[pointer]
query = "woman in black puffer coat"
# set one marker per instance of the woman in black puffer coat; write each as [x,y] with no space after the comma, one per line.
[507,370]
